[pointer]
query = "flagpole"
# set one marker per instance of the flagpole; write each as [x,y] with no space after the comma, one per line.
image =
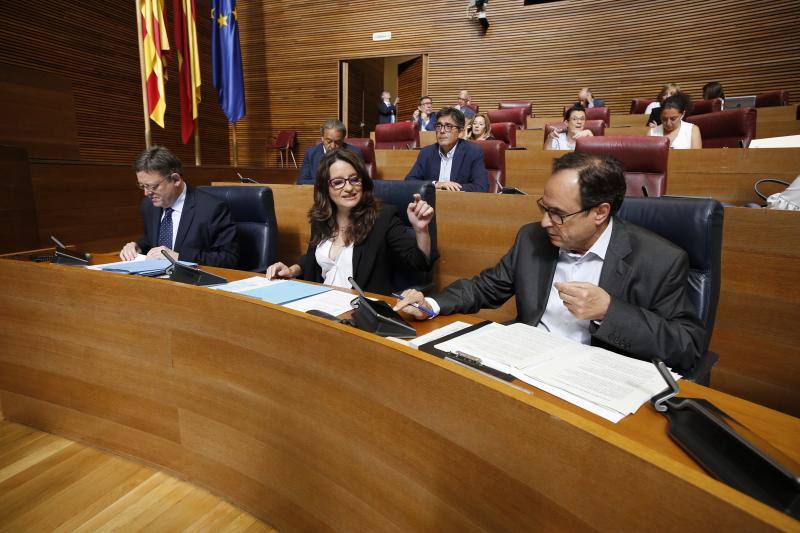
[142,69]
[197,142]
[235,147]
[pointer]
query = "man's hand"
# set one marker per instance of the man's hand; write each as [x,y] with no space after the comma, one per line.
[279,270]
[415,116]
[448,186]
[584,300]
[129,252]
[555,132]
[155,253]
[396,99]
[412,296]
[420,213]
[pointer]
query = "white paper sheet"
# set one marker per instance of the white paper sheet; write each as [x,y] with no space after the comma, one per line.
[332,302]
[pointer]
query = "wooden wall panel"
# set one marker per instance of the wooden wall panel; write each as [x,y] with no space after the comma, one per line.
[18,229]
[93,45]
[366,84]
[622,49]
[409,87]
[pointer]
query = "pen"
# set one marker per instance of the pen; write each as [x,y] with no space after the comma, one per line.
[416,305]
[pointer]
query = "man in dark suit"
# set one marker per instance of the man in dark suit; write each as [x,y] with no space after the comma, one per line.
[585,275]
[587,99]
[424,116]
[333,133]
[453,164]
[387,110]
[186,223]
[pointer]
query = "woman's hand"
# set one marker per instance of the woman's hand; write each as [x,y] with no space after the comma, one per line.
[420,214]
[279,270]
[584,133]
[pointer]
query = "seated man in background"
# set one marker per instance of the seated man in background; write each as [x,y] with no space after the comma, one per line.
[186,223]
[333,133]
[424,116]
[587,99]
[464,101]
[585,275]
[453,164]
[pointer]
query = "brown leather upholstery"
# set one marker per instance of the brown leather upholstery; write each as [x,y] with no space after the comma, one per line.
[513,104]
[517,115]
[596,113]
[772,98]
[701,107]
[597,127]
[506,132]
[397,136]
[734,128]
[638,105]
[368,151]
[494,158]
[644,159]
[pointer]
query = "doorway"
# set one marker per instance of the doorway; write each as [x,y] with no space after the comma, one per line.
[361,83]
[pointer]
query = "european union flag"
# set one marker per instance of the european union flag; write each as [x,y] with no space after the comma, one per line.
[226,58]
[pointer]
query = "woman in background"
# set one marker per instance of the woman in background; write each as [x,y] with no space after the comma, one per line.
[654,109]
[680,134]
[352,234]
[481,128]
[564,138]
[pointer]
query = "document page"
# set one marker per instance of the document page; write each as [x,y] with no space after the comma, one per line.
[332,302]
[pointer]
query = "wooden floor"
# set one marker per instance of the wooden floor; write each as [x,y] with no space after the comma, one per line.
[48,483]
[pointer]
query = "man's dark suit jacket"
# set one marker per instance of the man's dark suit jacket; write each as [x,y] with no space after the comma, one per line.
[388,246]
[650,313]
[311,159]
[468,168]
[206,233]
[385,112]
[428,126]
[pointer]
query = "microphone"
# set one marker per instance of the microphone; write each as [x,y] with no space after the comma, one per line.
[242,179]
[644,192]
[58,243]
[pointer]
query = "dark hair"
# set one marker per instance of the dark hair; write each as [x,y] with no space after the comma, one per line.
[573,109]
[333,124]
[713,89]
[322,214]
[679,101]
[421,98]
[601,178]
[455,114]
[158,159]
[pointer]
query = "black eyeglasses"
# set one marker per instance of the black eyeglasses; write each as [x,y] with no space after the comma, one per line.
[446,127]
[557,218]
[151,188]
[338,183]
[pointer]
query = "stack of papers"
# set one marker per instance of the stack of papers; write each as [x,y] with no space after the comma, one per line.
[603,382]
[139,267]
[292,294]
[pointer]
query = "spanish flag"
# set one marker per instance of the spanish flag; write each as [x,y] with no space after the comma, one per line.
[154,47]
[188,63]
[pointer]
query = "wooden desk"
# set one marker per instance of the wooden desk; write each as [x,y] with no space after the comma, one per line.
[314,425]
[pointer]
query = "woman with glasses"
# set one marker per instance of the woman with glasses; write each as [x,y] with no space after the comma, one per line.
[681,134]
[352,234]
[564,139]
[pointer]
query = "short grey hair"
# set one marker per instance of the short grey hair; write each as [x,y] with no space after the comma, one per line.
[333,124]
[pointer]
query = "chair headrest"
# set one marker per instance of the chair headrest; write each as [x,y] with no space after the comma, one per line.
[246,204]
[726,129]
[400,192]
[637,154]
[517,115]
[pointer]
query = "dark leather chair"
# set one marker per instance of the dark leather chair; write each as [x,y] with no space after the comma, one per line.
[399,193]
[772,98]
[638,105]
[397,136]
[517,115]
[494,159]
[527,105]
[694,224]
[597,127]
[701,107]
[734,128]
[644,159]
[506,132]
[253,212]
[285,141]
[367,148]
